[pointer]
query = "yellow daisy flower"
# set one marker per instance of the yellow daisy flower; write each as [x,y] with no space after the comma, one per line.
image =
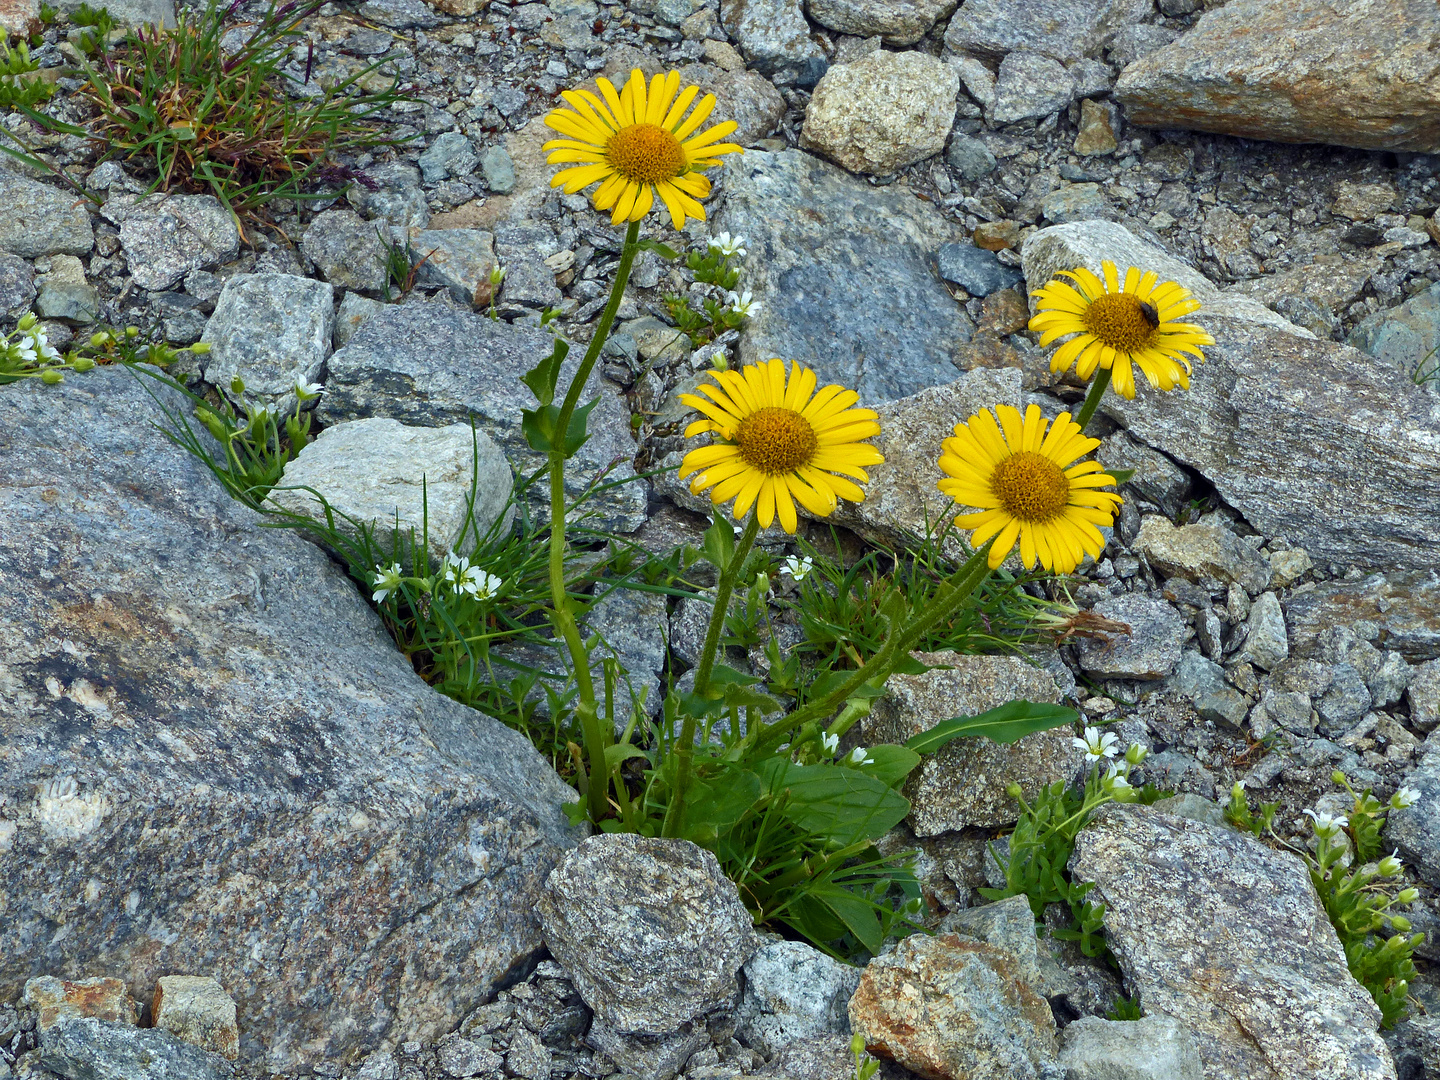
[777,440]
[1117,325]
[638,143]
[1022,481]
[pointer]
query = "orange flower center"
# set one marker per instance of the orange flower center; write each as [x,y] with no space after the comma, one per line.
[645,154]
[1123,321]
[776,440]
[1031,487]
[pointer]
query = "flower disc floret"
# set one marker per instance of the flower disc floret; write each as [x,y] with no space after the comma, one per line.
[638,144]
[1025,479]
[1120,325]
[779,441]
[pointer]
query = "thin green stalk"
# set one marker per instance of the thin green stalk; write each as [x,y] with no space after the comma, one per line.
[897,643]
[685,751]
[1092,399]
[586,712]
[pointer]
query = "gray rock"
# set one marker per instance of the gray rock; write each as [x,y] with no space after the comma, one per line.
[1064,29]
[882,112]
[1007,924]
[88,1048]
[1416,829]
[971,157]
[1423,695]
[462,1057]
[137,694]
[746,97]
[527,1056]
[1400,609]
[164,237]
[657,1057]
[1347,700]
[197,1009]
[399,14]
[1149,651]
[132,14]
[459,259]
[1203,683]
[947,1006]
[1030,85]
[1151,1048]
[450,155]
[353,311]
[624,914]
[1290,709]
[978,80]
[348,251]
[977,271]
[1156,478]
[1266,642]
[1091,77]
[1194,807]
[887,332]
[963,784]
[632,625]
[900,22]
[429,365]
[1089,243]
[1075,202]
[1261,70]
[1405,337]
[17,285]
[269,329]
[71,301]
[37,219]
[529,282]
[774,38]
[1225,935]
[398,479]
[793,992]
[499,170]
[1130,43]
[396,197]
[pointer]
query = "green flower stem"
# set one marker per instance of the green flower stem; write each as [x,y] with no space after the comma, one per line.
[897,643]
[1092,399]
[685,751]
[598,786]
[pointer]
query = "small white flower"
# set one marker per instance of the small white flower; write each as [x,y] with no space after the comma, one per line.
[40,344]
[1390,865]
[497,274]
[830,742]
[860,756]
[1097,746]
[1405,797]
[798,568]
[743,304]
[386,581]
[478,583]
[307,391]
[726,246]
[1115,780]
[453,568]
[1327,825]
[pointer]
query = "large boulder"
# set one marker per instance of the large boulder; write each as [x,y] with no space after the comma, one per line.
[843,271]
[213,758]
[1360,73]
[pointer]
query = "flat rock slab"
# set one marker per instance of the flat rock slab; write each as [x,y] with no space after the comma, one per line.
[1064,29]
[38,219]
[1396,610]
[81,1049]
[431,365]
[1226,935]
[843,271]
[1293,433]
[213,758]
[1360,73]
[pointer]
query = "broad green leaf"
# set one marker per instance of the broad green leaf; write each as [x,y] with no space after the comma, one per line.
[816,920]
[842,805]
[541,379]
[859,916]
[743,697]
[659,249]
[1005,724]
[575,433]
[719,546]
[538,426]
[621,752]
[1122,476]
[718,804]
[891,764]
[908,665]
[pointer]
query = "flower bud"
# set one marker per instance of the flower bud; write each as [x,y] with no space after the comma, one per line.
[857,1044]
[1407,896]
[1014,790]
[1337,777]
[132,331]
[1136,754]
[200,348]
[82,363]
[1389,866]
[1399,922]
[237,385]
[28,320]
[100,340]
[50,377]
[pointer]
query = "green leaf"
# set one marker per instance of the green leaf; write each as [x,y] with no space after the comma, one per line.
[538,426]
[719,546]
[619,753]
[575,433]
[1122,476]
[858,915]
[541,379]
[891,764]
[718,804]
[659,249]
[1005,724]
[841,805]
[743,697]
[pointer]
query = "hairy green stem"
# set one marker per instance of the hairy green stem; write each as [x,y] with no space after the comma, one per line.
[1092,399]
[685,751]
[561,615]
[898,643]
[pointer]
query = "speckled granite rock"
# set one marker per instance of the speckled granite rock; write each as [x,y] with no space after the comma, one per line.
[1064,29]
[900,22]
[625,915]
[1226,935]
[82,1049]
[1150,650]
[217,761]
[963,784]
[1362,73]
[1399,610]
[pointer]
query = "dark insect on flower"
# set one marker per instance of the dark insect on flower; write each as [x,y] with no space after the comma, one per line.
[1150,315]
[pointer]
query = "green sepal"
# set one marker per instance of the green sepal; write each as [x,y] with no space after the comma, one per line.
[1005,724]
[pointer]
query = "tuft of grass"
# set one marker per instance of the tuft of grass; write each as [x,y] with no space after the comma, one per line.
[17,89]
[202,115]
